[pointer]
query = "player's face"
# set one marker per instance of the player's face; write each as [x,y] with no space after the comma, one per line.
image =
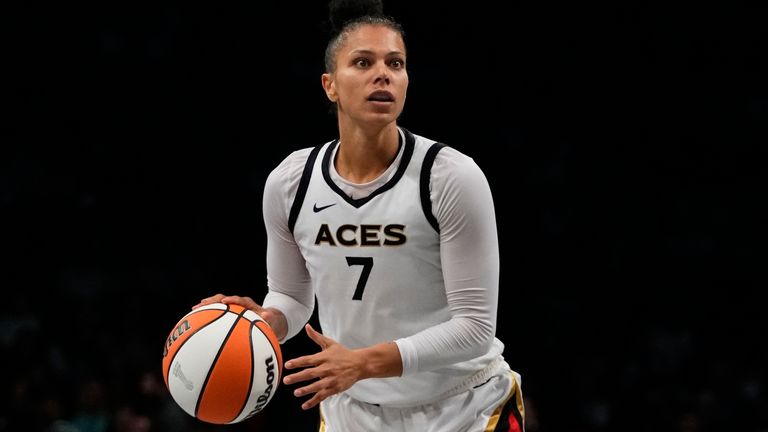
[370,80]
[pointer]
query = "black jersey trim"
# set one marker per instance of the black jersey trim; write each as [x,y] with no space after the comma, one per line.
[426,170]
[303,186]
[410,143]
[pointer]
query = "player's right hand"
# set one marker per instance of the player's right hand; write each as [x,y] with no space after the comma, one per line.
[245,302]
[272,316]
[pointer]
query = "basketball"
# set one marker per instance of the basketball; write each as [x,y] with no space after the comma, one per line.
[222,363]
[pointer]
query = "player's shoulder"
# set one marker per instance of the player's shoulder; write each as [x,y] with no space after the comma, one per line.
[294,159]
[447,157]
[292,166]
[452,171]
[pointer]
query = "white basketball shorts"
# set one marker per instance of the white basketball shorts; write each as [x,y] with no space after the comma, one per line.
[494,406]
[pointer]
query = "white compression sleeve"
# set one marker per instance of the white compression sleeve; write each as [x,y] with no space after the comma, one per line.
[463,206]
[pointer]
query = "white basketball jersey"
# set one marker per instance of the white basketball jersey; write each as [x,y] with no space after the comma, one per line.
[375,265]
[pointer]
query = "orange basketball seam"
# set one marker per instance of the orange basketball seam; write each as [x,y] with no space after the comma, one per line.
[215,359]
[253,372]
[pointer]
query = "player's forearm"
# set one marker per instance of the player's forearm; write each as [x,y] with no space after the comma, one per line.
[382,361]
[456,340]
[294,313]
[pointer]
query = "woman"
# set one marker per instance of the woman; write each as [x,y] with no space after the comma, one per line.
[395,235]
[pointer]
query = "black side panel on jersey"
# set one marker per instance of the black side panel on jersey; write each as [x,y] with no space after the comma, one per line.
[303,185]
[426,170]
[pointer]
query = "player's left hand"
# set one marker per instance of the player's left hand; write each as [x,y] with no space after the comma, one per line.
[335,368]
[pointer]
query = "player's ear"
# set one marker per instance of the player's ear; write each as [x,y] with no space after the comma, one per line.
[329,85]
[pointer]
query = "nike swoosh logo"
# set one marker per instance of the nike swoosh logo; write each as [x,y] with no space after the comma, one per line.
[318,209]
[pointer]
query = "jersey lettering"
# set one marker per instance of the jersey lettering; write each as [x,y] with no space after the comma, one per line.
[362,235]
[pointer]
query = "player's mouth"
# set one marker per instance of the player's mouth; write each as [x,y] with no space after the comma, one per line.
[381,96]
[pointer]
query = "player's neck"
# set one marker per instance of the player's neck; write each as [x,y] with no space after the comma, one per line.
[364,155]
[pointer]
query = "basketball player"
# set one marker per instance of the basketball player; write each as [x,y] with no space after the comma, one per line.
[395,235]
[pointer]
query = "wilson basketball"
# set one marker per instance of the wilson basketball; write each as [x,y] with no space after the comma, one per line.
[222,363]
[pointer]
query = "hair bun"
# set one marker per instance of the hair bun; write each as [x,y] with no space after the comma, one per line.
[343,11]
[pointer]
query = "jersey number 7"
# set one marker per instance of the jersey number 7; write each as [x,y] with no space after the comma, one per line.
[367,263]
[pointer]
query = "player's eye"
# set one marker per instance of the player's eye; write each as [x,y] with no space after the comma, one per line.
[362,62]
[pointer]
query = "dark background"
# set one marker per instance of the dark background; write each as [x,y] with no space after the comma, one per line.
[624,143]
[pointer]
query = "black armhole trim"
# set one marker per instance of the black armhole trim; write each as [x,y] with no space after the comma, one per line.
[303,185]
[426,170]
